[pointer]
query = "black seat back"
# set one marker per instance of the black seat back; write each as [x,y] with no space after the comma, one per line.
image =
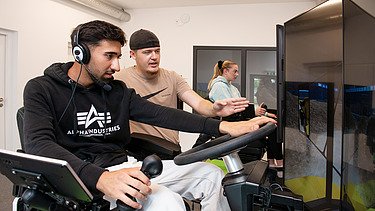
[20,118]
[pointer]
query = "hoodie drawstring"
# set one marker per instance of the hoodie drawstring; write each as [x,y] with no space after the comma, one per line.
[73,85]
[105,112]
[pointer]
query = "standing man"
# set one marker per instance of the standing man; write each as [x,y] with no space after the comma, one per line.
[164,87]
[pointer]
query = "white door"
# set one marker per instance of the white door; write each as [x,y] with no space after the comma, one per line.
[8,76]
[2,89]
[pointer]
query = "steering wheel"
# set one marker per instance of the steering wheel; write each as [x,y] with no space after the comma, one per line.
[222,146]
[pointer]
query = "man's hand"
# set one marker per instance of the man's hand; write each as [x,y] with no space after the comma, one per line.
[239,128]
[260,111]
[132,181]
[229,106]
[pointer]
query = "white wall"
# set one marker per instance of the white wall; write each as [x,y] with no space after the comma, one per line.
[224,25]
[44,27]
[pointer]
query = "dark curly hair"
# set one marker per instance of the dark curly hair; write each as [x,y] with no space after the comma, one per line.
[91,33]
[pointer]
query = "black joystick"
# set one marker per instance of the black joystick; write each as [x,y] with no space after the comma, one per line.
[151,167]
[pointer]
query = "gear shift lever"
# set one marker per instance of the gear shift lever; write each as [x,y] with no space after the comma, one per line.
[151,167]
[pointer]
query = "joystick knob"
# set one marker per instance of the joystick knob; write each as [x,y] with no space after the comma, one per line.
[151,167]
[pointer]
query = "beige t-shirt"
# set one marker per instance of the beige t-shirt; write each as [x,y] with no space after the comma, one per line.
[162,90]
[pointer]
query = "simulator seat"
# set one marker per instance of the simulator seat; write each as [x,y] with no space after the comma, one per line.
[142,145]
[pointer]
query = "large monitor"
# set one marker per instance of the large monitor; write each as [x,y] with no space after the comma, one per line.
[330,107]
[52,176]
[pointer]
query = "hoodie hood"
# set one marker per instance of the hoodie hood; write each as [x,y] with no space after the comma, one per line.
[59,72]
[219,79]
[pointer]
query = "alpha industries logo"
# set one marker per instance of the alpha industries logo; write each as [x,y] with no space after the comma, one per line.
[96,118]
[93,116]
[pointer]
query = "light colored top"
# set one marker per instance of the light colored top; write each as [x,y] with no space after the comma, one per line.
[163,89]
[221,89]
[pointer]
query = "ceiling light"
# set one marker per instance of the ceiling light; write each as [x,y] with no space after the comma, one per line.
[105,8]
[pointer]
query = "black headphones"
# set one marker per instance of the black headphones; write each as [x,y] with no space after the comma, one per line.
[81,52]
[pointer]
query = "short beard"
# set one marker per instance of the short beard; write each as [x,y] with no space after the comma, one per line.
[108,80]
[98,80]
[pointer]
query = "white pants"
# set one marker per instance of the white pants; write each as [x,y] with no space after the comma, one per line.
[194,181]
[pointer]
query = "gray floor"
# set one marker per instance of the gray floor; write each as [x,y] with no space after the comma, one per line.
[6,197]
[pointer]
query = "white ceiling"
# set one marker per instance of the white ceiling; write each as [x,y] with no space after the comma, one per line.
[143,4]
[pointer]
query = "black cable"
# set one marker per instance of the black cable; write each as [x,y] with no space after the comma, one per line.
[96,80]
[71,97]
[278,186]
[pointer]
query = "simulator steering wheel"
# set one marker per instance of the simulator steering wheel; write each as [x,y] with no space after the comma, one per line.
[247,187]
[221,146]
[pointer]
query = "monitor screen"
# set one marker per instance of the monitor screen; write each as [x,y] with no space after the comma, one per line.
[264,90]
[329,103]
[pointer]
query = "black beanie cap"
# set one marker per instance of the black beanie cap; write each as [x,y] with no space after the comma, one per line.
[143,39]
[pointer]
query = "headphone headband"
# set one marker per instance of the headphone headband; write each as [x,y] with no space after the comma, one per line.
[81,52]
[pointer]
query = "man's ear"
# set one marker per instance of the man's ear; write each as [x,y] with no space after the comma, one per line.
[132,54]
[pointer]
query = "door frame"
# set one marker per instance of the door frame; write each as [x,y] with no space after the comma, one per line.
[9,82]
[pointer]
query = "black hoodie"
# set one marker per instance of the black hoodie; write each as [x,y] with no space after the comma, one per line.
[96,121]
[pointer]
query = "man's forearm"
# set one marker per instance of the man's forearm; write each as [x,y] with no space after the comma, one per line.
[206,108]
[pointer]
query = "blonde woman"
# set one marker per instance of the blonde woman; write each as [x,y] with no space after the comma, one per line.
[220,87]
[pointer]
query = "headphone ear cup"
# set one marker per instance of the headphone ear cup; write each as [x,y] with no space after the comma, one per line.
[81,53]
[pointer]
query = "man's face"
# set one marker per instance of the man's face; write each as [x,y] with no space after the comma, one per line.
[104,61]
[147,60]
